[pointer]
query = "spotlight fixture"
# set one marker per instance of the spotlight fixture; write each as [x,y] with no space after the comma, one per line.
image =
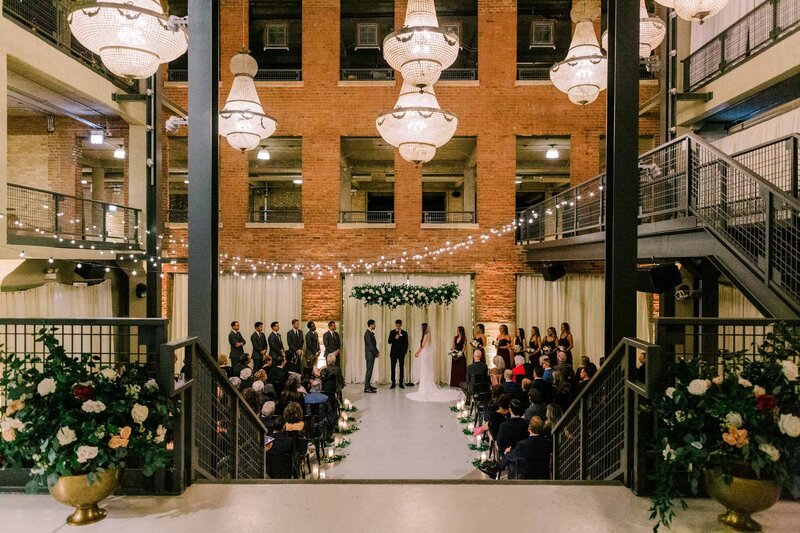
[552,152]
[97,137]
[263,154]
[119,152]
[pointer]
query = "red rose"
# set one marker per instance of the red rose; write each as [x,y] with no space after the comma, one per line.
[83,392]
[766,402]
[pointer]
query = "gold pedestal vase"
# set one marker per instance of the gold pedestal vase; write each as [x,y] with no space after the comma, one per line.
[77,492]
[744,496]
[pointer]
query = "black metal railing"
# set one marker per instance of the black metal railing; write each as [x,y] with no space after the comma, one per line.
[448,217]
[539,71]
[216,435]
[688,177]
[367,217]
[765,25]
[47,19]
[459,74]
[601,435]
[279,74]
[775,161]
[367,74]
[41,217]
[179,216]
[283,215]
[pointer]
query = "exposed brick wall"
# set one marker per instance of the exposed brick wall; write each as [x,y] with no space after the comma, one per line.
[321,112]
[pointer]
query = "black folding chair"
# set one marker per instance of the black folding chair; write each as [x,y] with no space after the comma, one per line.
[315,434]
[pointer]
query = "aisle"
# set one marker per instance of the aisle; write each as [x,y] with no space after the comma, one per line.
[402,439]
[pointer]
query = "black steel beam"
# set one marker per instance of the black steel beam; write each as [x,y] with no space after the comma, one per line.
[622,172]
[203,171]
[153,222]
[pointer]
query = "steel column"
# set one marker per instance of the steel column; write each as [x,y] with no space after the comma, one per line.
[622,174]
[203,171]
[153,224]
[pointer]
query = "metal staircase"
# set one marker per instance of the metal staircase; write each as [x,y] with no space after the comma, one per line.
[741,211]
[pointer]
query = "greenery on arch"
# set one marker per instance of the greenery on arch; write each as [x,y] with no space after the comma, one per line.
[393,295]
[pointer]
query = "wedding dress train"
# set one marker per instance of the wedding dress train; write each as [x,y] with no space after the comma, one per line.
[428,390]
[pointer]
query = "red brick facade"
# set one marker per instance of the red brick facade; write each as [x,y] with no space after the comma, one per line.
[321,112]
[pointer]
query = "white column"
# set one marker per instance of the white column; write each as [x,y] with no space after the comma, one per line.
[137,173]
[3,146]
[345,184]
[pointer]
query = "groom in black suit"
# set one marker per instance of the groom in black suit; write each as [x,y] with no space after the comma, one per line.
[370,354]
[398,338]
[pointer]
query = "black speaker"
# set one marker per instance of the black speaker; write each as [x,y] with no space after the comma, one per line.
[141,290]
[658,278]
[87,271]
[553,272]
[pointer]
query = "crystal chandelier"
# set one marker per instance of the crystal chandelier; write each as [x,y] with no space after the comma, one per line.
[652,31]
[132,37]
[698,9]
[582,75]
[417,126]
[242,121]
[420,50]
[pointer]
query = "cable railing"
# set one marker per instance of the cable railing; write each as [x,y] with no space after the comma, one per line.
[47,19]
[753,217]
[448,217]
[41,217]
[367,217]
[765,25]
[367,74]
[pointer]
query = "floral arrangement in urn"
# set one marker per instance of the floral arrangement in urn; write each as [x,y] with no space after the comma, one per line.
[733,426]
[66,416]
[393,296]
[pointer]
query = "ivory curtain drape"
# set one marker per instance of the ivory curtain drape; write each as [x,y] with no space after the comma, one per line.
[579,300]
[766,131]
[246,299]
[442,320]
[733,304]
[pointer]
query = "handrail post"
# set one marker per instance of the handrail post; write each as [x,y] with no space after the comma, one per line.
[56,206]
[769,226]
[793,143]
[583,446]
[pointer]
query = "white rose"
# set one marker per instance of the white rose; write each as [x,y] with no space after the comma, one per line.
[771,451]
[92,406]
[669,454]
[698,387]
[698,445]
[789,370]
[85,453]
[151,385]
[161,432]
[109,373]
[789,425]
[139,413]
[12,423]
[759,391]
[66,436]
[46,386]
[734,419]
[745,383]
[669,392]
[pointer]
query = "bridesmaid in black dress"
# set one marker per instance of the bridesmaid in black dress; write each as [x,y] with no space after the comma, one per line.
[549,344]
[458,368]
[534,345]
[519,341]
[566,342]
[479,341]
[504,344]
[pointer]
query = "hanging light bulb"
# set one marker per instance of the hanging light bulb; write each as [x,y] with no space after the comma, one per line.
[552,152]
[263,154]
[420,50]
[242,121]
[119,153]
[698,10]
[417,126]
[582,75]
[652,31]
[132,37]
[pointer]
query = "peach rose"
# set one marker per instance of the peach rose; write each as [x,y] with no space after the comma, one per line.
[125,432]
[9,435]
[117,442]
[735,437]
[14,406]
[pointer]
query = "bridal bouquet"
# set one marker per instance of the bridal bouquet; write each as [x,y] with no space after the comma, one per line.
[456,354]
[474,343]
[518,348]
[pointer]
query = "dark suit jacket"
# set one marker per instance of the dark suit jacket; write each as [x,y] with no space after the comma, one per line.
[331,341]
[259,343]
[275,345]
[295,341]
[312,343]
[399,346]
[511,432]
[370,345]
[509,387]
[278,375]
[237,354]
[545,387]
[532,456]
[475,369]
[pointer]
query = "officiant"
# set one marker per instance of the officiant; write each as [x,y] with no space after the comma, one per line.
[398,339]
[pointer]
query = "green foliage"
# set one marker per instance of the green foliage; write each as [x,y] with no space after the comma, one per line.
[740,416]
[394,296]
[48,423]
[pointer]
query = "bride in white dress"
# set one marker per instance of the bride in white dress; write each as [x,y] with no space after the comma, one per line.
[428,389]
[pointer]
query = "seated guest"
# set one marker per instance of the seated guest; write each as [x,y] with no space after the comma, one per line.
[554,413]
[538,406]
[499,415]
[577,377]
[277,374]
[315,397]
[519,368]
[280,452]
[266,363]
[547,375]
[496,373]
[291,392]
[541,384]
[526,389]
[564,367]
[258,388]
[561,393]
[640,372]
[236,382]
[291,363]
[251,397]
[587,373]
[267,412]
[478,367]
[335,372]
[244,362]
[260,375]
[246,376]
[224,364]
[509,385]
[269,393]
[530,458]
[512,430]
[293,416]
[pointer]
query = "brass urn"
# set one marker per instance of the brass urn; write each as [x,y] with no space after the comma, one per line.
[77,492]
[744,496]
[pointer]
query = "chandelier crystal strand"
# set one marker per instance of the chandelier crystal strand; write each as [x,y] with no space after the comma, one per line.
[417,126]
[242,121]
[582,75]
[132,37]
[652,31]
[698,10]
[420,50]
[666,3]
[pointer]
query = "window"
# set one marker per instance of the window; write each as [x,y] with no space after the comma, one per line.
[367,35]
[276,36]
[542,35]
[454,28]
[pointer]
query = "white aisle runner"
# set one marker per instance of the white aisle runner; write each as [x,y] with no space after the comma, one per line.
[402,439]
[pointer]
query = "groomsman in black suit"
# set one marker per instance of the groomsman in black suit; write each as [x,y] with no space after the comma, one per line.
[275,342]
[398,338]
[236,340]
[259,342]
[331,340]
[295,341]
[312,343]
[370,354]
